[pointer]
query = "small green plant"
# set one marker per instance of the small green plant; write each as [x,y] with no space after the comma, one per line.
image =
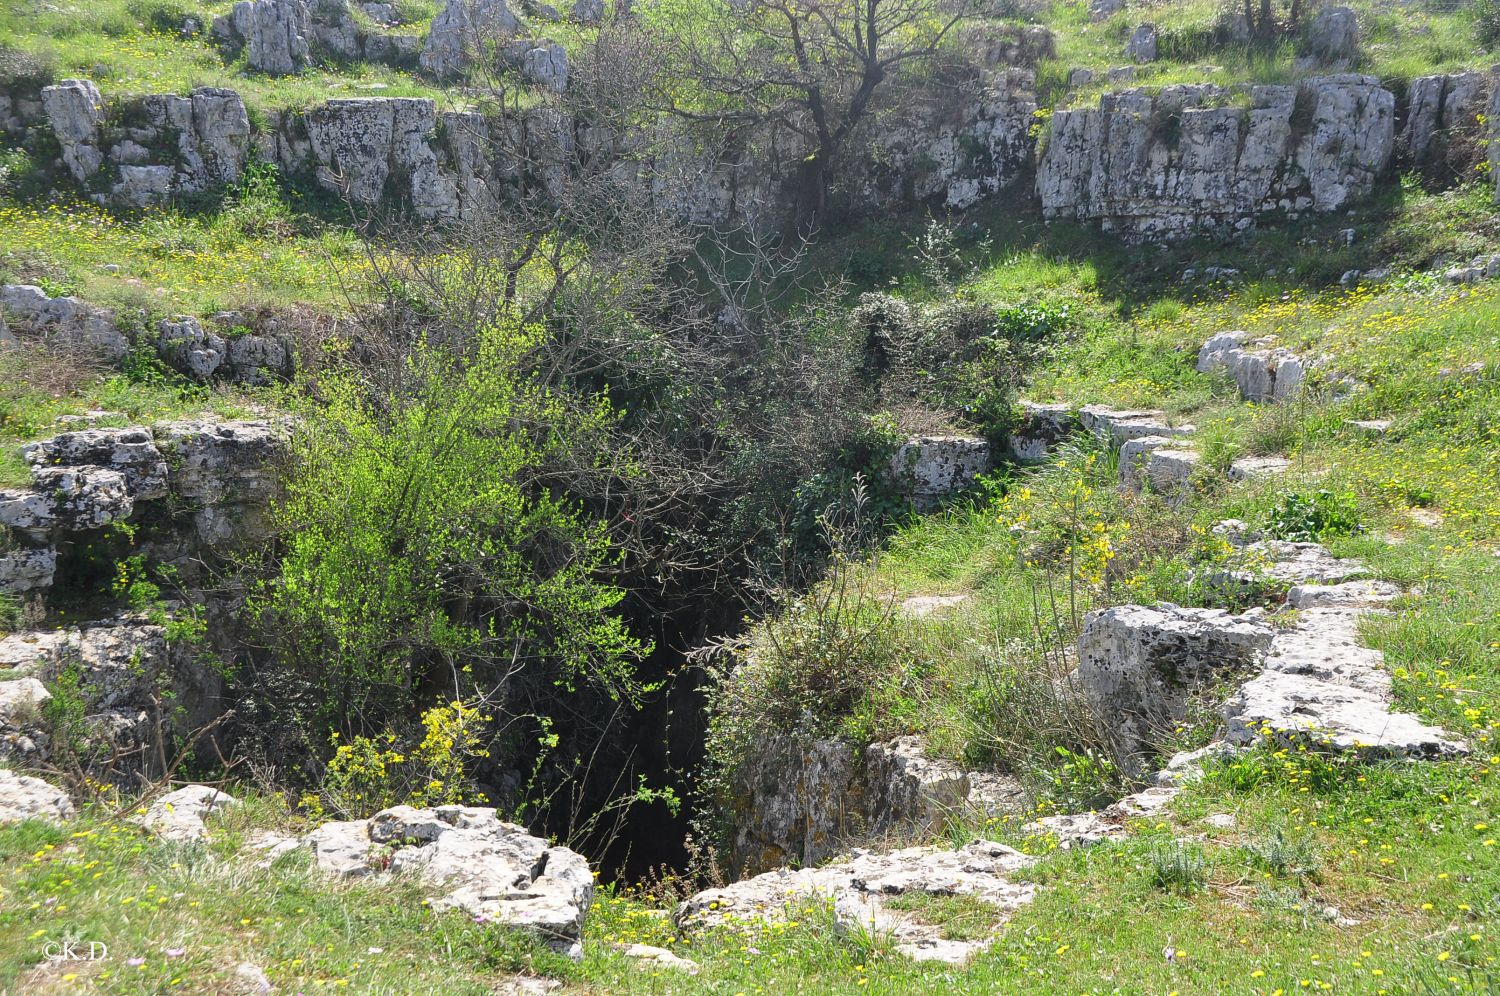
[1309,518]
[1284,856]
[1177,867]
[961,917]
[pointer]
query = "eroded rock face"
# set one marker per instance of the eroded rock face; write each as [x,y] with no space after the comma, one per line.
[1442,127]
[1041,428]
[1333,38]
[1139,666]
[860,887]
[1184,160]
[482,865]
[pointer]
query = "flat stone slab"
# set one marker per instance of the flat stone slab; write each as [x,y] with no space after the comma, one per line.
[1321,685]
[861,886]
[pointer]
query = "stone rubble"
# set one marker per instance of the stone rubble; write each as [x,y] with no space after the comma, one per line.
[1261,373]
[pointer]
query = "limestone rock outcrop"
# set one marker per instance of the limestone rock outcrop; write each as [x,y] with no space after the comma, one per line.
[276,34]
[1322,686]
[164,145]
[65,323]
[1261,371]
[1139,666]
[1187,159]
[1442,130]
[179,815]
[486,867]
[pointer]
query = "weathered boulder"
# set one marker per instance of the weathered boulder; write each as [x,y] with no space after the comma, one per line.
[1142,44]
[1261,374]
[1333,38]
[859,889]
[63,322]
[25,798]
[1040,429]
[276,34]
[587,11]
[486,867]
[185,346]
[1183,160]
[361,143]
[459,33]
[26,569]
[179,815]
[221,462]
[928,468]
[546,65]
[1139,667]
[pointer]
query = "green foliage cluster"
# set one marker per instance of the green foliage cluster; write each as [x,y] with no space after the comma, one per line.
[421,547]
[1312,517]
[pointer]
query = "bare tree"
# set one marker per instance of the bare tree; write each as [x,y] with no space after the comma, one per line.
[813,67]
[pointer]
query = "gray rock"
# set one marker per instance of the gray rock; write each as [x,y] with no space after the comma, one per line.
[130,452]
[84,498]
[1142,45]
[1316,147]
[1441,111]
[185,346]
[458,32]
[1321,686]
[1260,374]
[909,789]
[928,468]
[1333,37]
[587,11]
[546,65]
[21,698]
[360,143]
[922,606]
[1134,455]
[217,462]
[1114,427]
[276,35]
[25,798]
[23,570]
[74,110]
[1253,468]
[63,322]
[1040,429]
[180,815]
[1139,667]
[488,868]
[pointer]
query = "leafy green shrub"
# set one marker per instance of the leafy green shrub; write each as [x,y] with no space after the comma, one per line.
[420,547]
[1309,518]
[1034,322]
[1486,15]
[1284,856]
